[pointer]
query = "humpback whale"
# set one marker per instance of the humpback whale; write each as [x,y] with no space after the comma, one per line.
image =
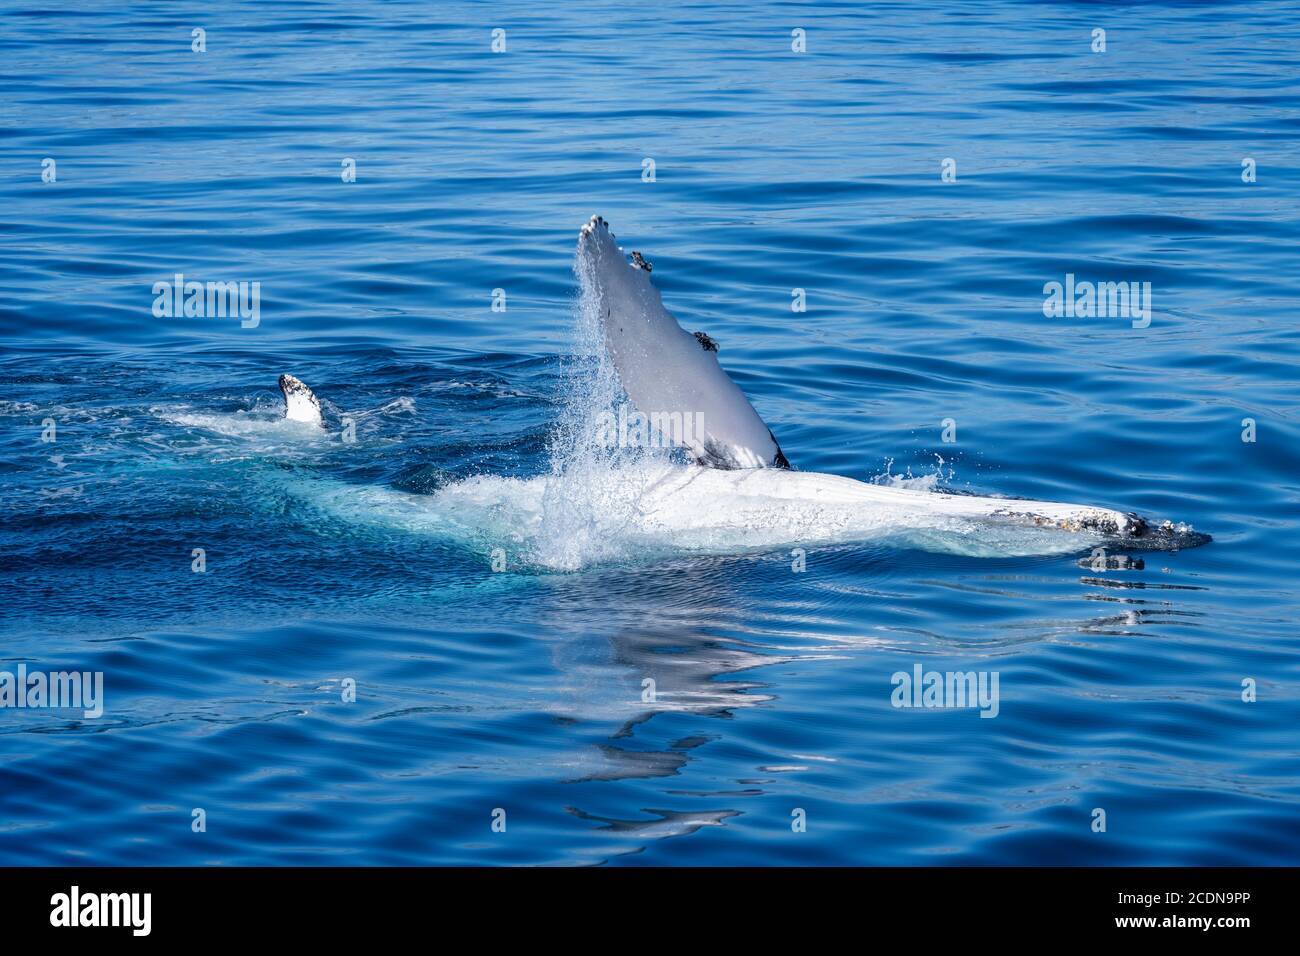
[663,368]
[739,493]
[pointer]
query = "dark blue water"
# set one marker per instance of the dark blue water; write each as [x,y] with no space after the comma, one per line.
[1121,690]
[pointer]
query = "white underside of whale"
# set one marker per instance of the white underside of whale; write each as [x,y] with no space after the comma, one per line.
[696,497]
[653,510]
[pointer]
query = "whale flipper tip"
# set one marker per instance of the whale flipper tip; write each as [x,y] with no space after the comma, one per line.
[300,403]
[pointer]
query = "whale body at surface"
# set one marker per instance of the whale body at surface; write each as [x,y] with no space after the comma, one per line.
[739,496]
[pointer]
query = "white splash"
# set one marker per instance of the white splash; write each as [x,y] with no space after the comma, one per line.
[592,495]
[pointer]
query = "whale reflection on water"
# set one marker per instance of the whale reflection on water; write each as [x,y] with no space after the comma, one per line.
[652,671]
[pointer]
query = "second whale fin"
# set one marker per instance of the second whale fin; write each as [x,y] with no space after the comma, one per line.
[300,404]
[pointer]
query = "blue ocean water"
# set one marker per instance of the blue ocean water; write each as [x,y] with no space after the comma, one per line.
[518,695]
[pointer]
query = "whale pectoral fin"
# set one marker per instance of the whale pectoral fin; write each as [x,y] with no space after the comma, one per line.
[300,404]
[662,367]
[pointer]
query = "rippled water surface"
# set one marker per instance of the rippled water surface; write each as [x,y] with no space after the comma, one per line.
[525,690]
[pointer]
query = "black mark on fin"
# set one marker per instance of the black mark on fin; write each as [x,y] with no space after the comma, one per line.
[707,343]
